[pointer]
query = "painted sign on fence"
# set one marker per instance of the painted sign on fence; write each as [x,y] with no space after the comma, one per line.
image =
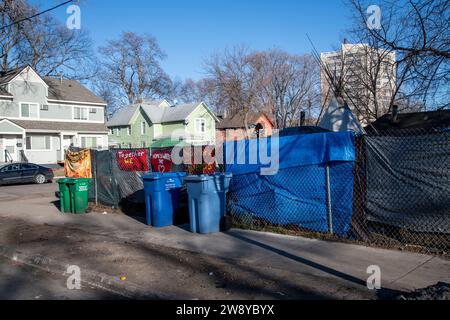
[133,160]
[162,160]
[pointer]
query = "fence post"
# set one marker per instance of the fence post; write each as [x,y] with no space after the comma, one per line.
[330,211]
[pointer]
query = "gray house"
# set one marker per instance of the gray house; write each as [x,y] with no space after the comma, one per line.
[41,117]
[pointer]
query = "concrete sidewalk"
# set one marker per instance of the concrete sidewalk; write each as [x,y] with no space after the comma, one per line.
[340,266]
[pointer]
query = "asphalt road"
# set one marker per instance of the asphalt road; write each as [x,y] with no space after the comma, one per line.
[18,281]
[21,282]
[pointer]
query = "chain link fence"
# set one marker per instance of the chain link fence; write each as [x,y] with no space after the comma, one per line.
[395,194]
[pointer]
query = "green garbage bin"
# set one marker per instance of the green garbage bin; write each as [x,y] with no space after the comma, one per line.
[64,195]
[79,194]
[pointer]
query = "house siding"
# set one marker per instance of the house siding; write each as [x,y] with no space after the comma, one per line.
[136,139]
[28,92]
[9,109]
[27,87]
[169,129]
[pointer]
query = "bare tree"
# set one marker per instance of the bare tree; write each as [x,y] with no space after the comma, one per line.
[131,70]
[43,43]
[418,31]
[272,81]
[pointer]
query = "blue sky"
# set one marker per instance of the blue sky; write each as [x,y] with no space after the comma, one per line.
[190,31]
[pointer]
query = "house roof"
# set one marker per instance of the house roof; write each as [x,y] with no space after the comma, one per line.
[7,76]
[155,112]
[238,120]
[65,90]
[413,120]
[3,92]
[70,90]
[60,126]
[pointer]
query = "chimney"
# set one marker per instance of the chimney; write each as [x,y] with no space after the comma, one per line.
[345,41]
[61,76]
[394,114]
[302,118]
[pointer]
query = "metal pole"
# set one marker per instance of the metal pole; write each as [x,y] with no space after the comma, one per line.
[330,212]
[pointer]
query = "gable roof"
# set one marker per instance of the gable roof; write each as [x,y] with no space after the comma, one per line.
[156,113]
[5,93]
[238,120]
[413,120]
[65,90]
[70,90]
[7,76]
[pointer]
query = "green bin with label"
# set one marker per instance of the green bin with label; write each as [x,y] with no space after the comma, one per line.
[79,194]
[64,194]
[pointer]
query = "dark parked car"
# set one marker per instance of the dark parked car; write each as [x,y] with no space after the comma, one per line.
[24,173]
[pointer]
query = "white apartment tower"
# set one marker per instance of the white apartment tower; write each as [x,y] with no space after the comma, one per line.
[367,76]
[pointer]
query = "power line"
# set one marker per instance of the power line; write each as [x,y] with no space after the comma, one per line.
[36,15]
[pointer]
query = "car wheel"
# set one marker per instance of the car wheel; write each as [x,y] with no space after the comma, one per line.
[40,179]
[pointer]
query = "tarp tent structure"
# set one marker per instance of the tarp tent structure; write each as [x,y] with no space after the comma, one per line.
[297,194]
[340,118]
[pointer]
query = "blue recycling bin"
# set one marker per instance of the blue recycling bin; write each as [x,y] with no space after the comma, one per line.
[162,197]
[222,181]
[204,204]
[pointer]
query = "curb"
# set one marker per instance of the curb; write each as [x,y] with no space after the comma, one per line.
[127,290]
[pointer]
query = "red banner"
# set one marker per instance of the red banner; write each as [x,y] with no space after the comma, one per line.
[133,160]
[161,160]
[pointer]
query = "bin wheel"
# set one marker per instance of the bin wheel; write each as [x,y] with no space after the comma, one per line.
[40,179]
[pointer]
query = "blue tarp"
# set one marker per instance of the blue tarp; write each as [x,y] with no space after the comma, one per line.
[294,151]
[297,194]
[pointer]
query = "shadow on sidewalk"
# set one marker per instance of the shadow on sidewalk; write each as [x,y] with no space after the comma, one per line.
[384,293]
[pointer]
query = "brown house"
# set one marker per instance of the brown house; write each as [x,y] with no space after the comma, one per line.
[259,124]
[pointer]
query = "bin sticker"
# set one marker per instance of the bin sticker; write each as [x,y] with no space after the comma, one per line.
[83,188]
[133,160]
[162,160]
[170,184]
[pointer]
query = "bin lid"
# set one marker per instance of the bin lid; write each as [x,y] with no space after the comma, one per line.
[197,178]
[77,180]
[63,180]
[160,175]
[224,174]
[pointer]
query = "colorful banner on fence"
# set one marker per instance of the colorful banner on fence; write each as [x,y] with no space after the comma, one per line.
[133,160]
[78,164]
[162,160]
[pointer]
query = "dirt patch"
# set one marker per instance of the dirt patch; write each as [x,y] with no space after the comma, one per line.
[439,291]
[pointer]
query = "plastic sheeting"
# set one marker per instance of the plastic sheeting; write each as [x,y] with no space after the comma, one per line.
[408,181]
[297,194]
[293,151]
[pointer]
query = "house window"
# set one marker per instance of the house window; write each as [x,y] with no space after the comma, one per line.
[118,132]
[38,143]
[44,107]
[143,144]
[143,128]
[93,110]
[89,142]
[130,145]
[29,110]
[129,131]
[200,125]
[80,113]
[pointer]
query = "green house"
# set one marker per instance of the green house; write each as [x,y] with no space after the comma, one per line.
[146,124]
